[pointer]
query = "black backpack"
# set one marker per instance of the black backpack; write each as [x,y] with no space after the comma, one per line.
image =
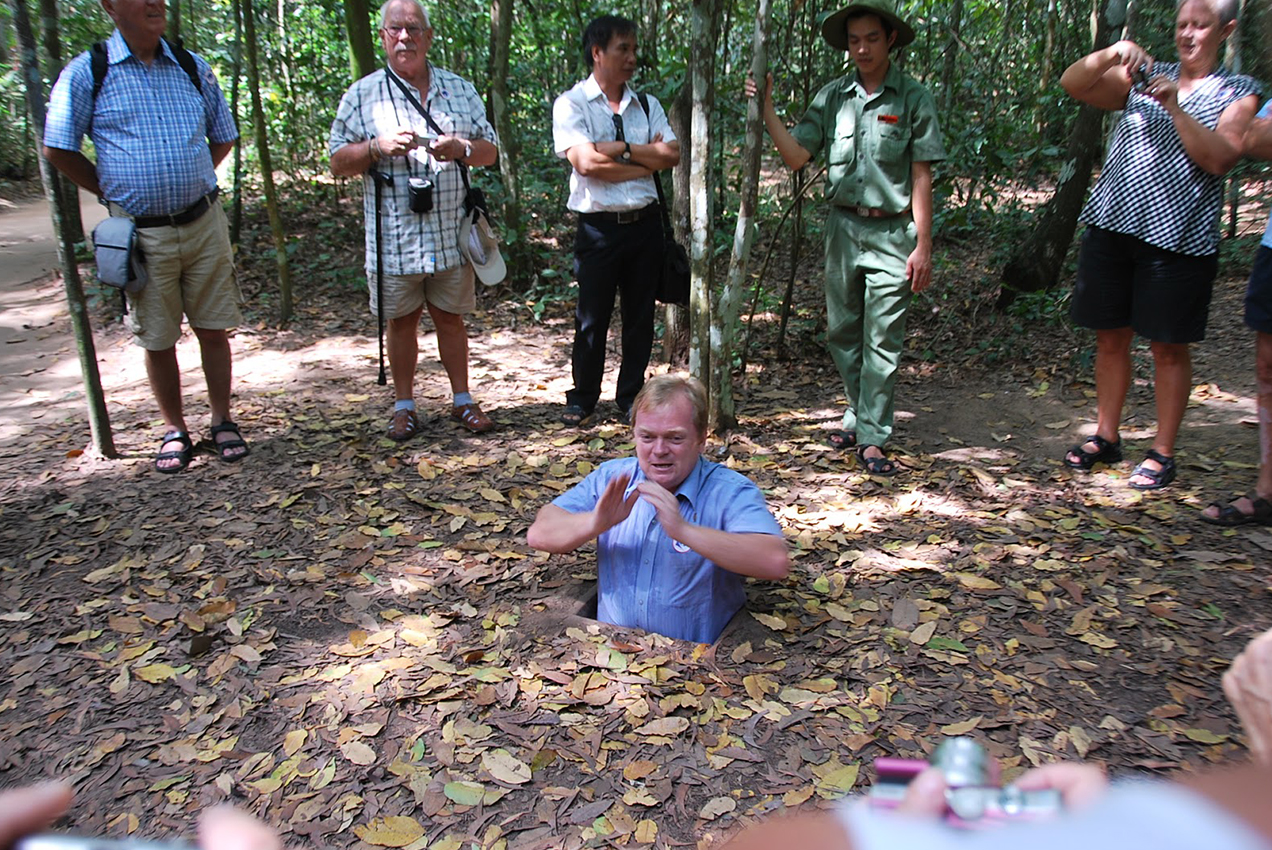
[100,64]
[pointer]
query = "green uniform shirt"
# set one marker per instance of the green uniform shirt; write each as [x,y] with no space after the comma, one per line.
[871,140]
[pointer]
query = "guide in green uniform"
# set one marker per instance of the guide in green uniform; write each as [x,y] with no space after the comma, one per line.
[879,130]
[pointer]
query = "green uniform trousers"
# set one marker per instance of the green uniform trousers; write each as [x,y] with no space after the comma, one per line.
[867,298]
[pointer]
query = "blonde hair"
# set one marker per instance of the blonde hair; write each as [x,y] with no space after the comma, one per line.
[662,390]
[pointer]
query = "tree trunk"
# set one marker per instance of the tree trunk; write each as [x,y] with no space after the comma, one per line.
[948,81]
[98,418]
[174,20]
[1036,264]
[51,38]
[725,326]
[236,217]
[676,324]
[501,41]
[267,173]
[704,14]
[361,45]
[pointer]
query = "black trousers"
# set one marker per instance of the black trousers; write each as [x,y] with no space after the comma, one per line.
[610,259]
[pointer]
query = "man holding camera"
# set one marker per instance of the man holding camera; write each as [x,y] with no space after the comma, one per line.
[616,151]
[381,132]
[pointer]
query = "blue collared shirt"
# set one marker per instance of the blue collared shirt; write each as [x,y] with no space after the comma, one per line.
[151,127]
[648,581]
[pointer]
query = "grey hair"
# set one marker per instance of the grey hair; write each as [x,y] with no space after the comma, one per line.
[1225,9]
[384,11]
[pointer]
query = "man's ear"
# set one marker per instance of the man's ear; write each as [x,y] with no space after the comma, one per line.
[108,6]
[892,39]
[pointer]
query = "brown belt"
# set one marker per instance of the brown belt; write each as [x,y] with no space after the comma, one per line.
[871,212]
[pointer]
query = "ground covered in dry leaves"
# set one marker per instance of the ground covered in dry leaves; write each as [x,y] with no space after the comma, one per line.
[351,639]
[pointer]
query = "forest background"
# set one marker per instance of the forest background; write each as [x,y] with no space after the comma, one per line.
[350,638]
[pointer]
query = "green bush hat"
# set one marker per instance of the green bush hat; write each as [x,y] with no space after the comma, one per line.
[835,26]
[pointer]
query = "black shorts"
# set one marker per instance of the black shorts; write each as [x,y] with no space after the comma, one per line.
[1258,299]
[1123,282]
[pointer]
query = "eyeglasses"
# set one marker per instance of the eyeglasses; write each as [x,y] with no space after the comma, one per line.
[618,128]
[413,31]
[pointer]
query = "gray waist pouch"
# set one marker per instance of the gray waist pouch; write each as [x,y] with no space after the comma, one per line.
[119,259]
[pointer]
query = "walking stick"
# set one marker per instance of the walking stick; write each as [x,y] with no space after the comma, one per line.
[380,179]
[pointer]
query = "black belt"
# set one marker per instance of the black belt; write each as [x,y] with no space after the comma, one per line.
[191,213]
[624,217]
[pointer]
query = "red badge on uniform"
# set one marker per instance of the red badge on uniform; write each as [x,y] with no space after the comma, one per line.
[889,119]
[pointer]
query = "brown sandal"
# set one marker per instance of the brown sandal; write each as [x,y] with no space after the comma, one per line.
[403,426]
[470,416]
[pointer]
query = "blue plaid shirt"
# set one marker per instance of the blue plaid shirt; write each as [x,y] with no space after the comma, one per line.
[151,127]
[414,243]
[648,581]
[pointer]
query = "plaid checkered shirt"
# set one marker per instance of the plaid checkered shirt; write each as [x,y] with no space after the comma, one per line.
[414,243]
[151,127]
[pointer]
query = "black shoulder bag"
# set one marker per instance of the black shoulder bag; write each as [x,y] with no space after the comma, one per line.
[673,280]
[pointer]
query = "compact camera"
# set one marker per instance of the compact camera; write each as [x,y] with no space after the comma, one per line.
[420,192]
[1139,78]
[973,796]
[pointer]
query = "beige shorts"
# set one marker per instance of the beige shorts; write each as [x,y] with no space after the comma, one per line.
[451,290]
[191,271]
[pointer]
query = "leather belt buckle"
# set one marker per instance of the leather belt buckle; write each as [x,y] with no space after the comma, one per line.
[628,216]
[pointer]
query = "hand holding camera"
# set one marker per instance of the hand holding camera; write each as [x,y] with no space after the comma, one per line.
[962,785]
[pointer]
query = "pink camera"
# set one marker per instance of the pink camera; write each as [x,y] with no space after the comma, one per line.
[973,795]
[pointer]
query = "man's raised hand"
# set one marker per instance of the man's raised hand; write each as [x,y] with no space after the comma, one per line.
[612,508]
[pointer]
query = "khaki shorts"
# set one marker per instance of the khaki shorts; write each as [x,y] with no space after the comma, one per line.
[191,271]
[451,290]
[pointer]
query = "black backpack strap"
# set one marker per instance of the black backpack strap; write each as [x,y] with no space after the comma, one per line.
[662,200]
[100,64]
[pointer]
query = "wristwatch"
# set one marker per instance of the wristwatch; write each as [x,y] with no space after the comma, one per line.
[626,155]
[468,149]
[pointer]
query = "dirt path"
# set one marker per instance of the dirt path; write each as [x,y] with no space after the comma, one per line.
[342,630]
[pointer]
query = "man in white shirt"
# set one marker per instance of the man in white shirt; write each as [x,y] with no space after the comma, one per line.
[616,147]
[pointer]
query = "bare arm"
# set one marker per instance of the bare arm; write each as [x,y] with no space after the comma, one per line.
[1215,151]
[1103,78]
[220,150]
[1258,139]
[557,530]
[795,155]
[75,166]
[453,147]
[749,554]
[918,267]
[357,157]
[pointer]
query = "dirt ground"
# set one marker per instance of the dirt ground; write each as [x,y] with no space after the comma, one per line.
[351,639]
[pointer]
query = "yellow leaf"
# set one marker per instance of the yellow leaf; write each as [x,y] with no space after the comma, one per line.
[717,806]
[667,726]
[564,441]
[639,797]
[294,740]
[923,633]
[833,776]
[839,612]
[268,785]
[646,832]
[791,799]
[324,777]
[1204,736]
[465,793]
[492,495]
[505,767]
[155,673]
[358,752]
[1098,640]
[975,582]
[962,727]
[121,682]
[638,770]
[396,831]
[775,623]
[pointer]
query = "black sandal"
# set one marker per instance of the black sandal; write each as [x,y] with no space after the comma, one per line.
[1158,478]
[182,457]
[574,416]
[876,465]
[844,440]
[1231,516]
[1106,452]
[237,443]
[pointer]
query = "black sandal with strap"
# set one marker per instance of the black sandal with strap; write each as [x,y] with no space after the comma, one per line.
[228,427]
[1105,452]
[876,465]
[1158,478]
[1230,515]
[182,457]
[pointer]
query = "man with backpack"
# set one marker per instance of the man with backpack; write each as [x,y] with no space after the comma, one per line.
[160,125]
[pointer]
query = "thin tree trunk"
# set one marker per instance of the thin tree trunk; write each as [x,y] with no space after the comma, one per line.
[703,14]
[1232,60]
[361,44]
[798,179]
[236,217]
[51,39]
[98,418]
[948,81]
[676,318]
[723,407]
[174,20]
[1036,264]
[267,173]
[1048,63]
[501,41]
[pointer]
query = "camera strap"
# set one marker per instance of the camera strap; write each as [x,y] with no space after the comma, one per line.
[414,101]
